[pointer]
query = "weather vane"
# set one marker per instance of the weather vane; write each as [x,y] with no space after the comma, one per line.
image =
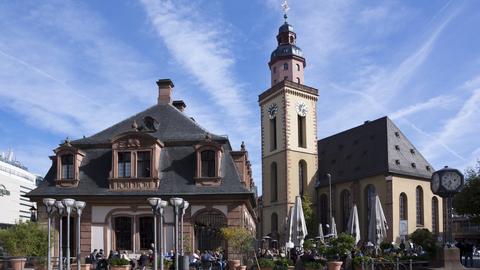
[285,8]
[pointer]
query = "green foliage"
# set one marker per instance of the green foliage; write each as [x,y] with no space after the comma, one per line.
[424,238]
[309,244]
[282,264]
[386,245]
[466,202]
[313,265]
[266,263]
[239,239]
[358,260]
[25,239]
[340,246]
[118,262]
[309,215]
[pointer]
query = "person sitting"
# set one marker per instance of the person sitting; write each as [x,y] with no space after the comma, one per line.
[220,259]
[207,260]
[195,260]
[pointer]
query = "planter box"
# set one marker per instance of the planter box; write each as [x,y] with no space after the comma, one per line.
[335,265]
[122,267]
[18,263]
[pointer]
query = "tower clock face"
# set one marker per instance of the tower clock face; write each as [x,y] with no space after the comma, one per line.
[272,110]
[435,182]
[451,181]
[302,108]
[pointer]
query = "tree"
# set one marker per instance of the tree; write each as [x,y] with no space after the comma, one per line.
[467,201]
[25,239]
[309,216]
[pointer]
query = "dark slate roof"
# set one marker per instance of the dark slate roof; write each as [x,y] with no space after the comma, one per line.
[173,126]
[177,161]
[375,148]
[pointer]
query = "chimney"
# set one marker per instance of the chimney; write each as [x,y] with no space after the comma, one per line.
[165,89]
[179,104]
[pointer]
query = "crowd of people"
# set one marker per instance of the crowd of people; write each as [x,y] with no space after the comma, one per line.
[467,251]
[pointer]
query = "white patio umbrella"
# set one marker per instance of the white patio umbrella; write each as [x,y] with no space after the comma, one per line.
[377,227]
[320,236]
[298,227]
[353,227]
[334,228]
[289,243]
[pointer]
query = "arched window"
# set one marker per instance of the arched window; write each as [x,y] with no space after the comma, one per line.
[298,80]
[346,201]
[273,133]
[403,206]
[419,197]
[208,163]
[369,194]
[274,222]
[435,215]
[123,233]
[145,229]
[67,166]
[207,225]
[324,209]
[302,176]
[292,40]
[274,182]
[285,66]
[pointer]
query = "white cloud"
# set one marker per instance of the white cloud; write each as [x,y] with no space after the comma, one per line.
[433,103]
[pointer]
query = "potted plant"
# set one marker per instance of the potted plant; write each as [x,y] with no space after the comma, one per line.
[362,262]
[338,249]
[24,239]
[119,264]
[315,265]
[283,264]
[266,264]
[240,242]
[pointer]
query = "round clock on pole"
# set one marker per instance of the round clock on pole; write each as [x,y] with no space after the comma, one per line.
[446,182]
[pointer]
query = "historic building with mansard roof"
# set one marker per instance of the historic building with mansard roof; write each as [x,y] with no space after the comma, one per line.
[159,152]
[374,158]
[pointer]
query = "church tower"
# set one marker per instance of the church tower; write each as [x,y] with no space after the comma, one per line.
[289,134]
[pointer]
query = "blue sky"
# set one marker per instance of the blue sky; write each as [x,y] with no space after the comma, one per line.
[73,68]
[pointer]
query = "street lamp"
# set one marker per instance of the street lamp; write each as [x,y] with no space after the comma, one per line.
[79,205]
[184,209]
[162,205]
[49,202]
[60,211]
[329,176]
[68,203]
[33,213]
[176,203]
[154,204]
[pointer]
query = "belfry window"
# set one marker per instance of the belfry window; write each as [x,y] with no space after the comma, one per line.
[67,166]
[298,67]
[124,164]
[208,163]
[143,164]
[273,134]
[285,66]
[273,182]
[301,131]
[302,175]
[298,80]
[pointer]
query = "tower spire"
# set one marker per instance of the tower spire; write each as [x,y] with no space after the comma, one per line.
[285,8]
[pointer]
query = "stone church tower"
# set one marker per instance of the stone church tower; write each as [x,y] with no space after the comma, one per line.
[289,135]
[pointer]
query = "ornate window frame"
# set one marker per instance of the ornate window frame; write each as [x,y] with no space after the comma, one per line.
[64,149]
[134,142]
[208,145]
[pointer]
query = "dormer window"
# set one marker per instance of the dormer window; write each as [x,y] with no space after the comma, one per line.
[68,159]
[208,163]
[67,166]
[124,164]
[135,161]
[209,156]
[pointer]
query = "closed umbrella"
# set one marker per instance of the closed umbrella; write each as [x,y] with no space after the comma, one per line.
[334,228]
[320,236]
[289,244]
[298,225]
[377,227]
[353,227]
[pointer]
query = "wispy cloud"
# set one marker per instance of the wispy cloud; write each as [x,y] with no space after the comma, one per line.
[433,103]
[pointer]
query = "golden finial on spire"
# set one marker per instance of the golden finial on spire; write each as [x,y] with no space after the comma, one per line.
[285,8]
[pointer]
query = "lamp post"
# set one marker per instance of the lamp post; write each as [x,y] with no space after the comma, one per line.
[68,204]
[79,205]
[329,176]
[154,204]
[176,203]
[162,205]
[48,202]
[184,209]
[60,210]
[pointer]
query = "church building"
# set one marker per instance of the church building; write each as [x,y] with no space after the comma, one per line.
[374,158]
[159,152]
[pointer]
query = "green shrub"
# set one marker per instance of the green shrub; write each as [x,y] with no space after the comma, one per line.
[282,264]
[424,238]
[239,239]
[118,262]
[358,260]
[25,239]
[386,245]
[340,247]
[313,265]
[263,262]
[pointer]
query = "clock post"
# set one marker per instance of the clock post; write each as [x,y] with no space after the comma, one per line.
[446,183]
